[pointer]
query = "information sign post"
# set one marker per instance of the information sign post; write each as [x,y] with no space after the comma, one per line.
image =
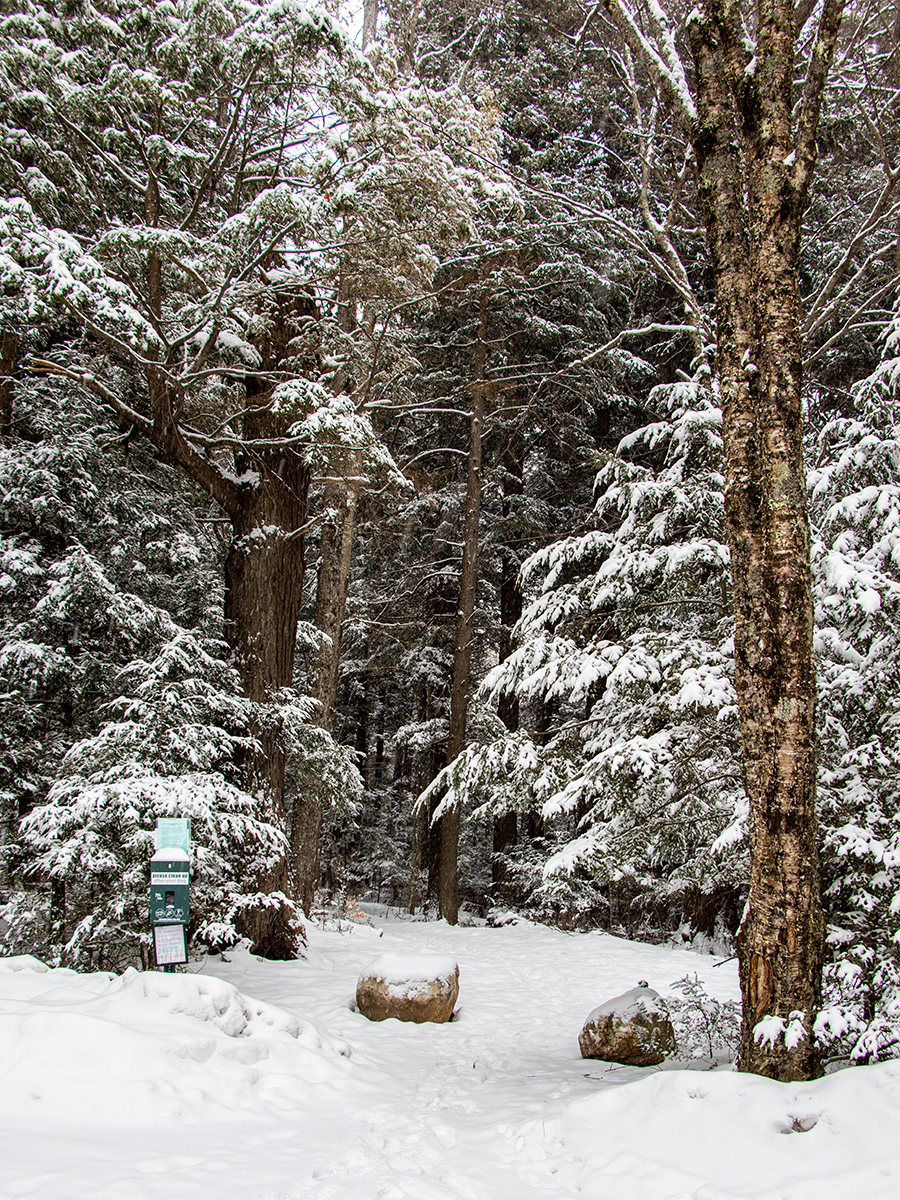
[170,878]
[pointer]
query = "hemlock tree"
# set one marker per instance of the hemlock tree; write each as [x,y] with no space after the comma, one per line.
[627,635]
[103,552]
[855,506]
[118,704]
[181,201]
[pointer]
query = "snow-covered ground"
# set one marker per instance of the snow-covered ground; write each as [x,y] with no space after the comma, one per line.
[257,1081]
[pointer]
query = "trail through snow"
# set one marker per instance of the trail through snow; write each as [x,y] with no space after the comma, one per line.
[257,1081]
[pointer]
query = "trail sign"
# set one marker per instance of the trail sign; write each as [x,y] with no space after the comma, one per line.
[170,879]
[169,889]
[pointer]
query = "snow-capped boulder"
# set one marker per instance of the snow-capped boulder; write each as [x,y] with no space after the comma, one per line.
[633,1029]
[420,987]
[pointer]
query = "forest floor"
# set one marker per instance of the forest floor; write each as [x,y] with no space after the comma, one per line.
[179,1087]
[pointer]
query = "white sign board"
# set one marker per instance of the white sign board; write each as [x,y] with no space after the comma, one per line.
[169,944]
[173,833]
[169,878]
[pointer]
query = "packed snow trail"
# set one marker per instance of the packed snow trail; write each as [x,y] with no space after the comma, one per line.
[148,1087]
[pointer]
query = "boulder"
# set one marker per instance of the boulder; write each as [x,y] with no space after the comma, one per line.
[633,1029]
[419,987]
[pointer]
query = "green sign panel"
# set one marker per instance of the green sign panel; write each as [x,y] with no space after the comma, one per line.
[169,891]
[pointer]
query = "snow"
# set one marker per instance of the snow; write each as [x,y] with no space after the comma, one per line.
[172,854]
[410,968]
[636,1000]
[146,1085]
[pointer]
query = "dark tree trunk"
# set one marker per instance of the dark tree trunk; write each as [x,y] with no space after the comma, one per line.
[9,357]
[263,587]
[462,650]
[505,826]
[505,835]
[431,851]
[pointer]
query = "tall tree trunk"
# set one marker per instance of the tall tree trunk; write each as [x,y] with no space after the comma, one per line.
[506,826]
[753,174]
[370,23]
[341,499]
[404,16]
[462,651]
[9,357]
[263,587]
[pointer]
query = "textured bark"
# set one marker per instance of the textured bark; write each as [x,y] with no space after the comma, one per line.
[264,582]
[753,177]
[9,357]
[448,897]
[755,154]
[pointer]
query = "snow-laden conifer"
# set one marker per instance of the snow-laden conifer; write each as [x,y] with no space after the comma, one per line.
[627,638]
[855,505]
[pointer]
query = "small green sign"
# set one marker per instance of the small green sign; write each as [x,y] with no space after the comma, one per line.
[173,833]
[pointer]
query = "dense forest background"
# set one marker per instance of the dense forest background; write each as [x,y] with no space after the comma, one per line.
[361,485]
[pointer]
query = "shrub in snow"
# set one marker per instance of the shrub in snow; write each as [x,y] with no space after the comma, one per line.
[102,557]
[855,503]
[704,1026]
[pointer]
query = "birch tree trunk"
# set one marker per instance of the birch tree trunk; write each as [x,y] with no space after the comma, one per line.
[754,159]
[753,178]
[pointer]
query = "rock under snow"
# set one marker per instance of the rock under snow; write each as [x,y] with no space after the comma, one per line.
[421,987]
[633,1029]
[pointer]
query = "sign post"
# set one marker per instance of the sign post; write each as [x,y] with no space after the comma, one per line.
[170,878]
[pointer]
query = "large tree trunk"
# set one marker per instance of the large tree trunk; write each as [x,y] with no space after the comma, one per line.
[753,175]
[755,155]
[370,23]
[448,897]
[264,582]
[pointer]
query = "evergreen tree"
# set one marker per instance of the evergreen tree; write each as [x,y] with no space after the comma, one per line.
[855,497]
[182,197]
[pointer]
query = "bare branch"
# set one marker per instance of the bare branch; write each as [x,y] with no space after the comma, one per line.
[813,92]
[222,148]
[820,311]
[663,62]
